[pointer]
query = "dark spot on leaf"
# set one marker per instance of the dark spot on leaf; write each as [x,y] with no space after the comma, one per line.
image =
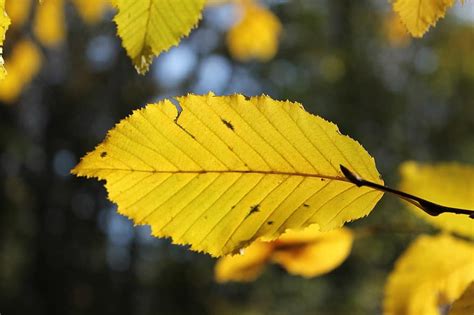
[103,154]
[230,148]
[233,207]
[228,124]
[322,179]
[253,209]
[305,205]
[270,222]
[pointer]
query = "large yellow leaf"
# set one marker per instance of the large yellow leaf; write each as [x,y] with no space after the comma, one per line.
[4,23]
[434,271]
[419,15]
[22,65]
[228,170]
[256,35]
[308,253]
[149,27]
[465,304]
[449,184]
[49,24]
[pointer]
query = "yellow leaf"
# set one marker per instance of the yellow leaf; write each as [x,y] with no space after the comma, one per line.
[465,304]
[228,170]
[256,35]
[245,267]
[447,184]
[22,66]
[18,11]
[49,24]
[149,27]
[419,15]
[313,254]
[308,253]
[4,24]
[395,32]
[91,11]
[433,271]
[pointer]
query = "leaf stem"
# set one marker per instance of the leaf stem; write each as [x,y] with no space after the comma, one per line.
[429,207]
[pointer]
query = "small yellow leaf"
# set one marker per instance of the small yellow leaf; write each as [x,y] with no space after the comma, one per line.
[395,31]
[419,15]
[18,11]
[228,170]
[4,24]
[49,24]
[448,184]
[313,254]
[91,11]
[308,253]
[256,35]
[150,27]
[22,66]
[244,267]
[433,271]
[465,304]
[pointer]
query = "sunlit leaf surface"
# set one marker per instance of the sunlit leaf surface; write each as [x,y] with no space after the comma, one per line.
[4,23]
[419,15]
[149,27]
[433,271]
[449,184]
[308,253]
[228,170]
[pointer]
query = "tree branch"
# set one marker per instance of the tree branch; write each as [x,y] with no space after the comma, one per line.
[427,206]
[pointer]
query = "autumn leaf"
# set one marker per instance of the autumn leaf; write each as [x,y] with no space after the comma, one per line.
[308,253]
[18,11]
[244,267]
[465,304]
[22,65]
[150,27]
[433,271]
[395,31]
[49,24]
[4,24]
[228,170]
[91,11]
[444,183]
[419,15]
[256,35]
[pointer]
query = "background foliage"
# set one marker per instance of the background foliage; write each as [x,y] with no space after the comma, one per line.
[64,250]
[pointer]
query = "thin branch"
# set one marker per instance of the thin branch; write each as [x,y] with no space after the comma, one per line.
[429,207]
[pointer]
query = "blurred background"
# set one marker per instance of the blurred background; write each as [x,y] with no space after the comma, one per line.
[64,249]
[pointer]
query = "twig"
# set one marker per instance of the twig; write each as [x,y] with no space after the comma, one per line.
[429,207]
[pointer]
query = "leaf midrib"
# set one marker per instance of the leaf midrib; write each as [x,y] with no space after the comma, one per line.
[338,178]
